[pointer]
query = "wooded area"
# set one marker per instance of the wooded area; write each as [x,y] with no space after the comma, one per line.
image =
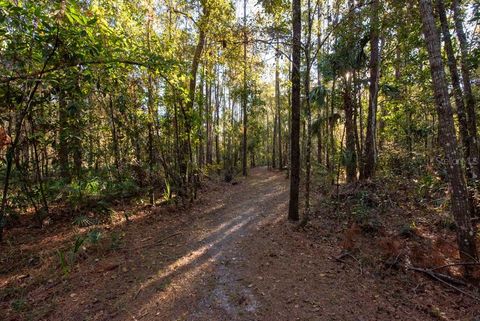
[368,108]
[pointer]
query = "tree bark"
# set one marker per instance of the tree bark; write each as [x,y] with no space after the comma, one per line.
[350,152]
[295,121]
[467,86]
[62,135]
[370,139]
[319,83]
[308,112]
[467,140]
[277,106]
[208,117]
[217,118]
[459,196]
[201,147]
[274,141]
[116,151]
[244,101]
[185,154]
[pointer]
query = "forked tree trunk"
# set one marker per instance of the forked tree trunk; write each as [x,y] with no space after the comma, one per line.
[459,197]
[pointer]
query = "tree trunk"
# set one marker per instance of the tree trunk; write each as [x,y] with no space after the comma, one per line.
[358,146]
[467,140]
[151,116]
[319,145]
[62,135]
[274,141]
[350,153]
[208,117]
[77,128]
[331,127]
[459,197]
[201,147]
[116,152]
[244,101]
[319,83]
[308,112]
[296,105]
[370,148]
[277,107]
[467,86]
[217,119]
[185,162]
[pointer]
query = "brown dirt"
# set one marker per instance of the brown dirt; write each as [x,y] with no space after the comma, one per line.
[233,256]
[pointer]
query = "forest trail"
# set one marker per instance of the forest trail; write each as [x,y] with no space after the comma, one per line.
[232,256]
[198,270]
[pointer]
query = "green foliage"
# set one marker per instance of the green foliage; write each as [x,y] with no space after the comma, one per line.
[361,210]
[68,257]
[64,265]
[78,243]
[348,55]
[348,157]
[398,162]
[80,192]
[167,193]
[426,185]
[112,115]
[317,96]
[83,221]
[94,236]
[391,91]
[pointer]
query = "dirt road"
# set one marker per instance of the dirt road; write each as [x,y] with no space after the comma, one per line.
[233,256]
[199,272]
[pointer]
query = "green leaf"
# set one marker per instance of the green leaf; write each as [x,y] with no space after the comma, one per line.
[317,95]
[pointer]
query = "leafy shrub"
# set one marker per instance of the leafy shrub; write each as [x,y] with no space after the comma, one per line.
[427,184]
[401,163]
